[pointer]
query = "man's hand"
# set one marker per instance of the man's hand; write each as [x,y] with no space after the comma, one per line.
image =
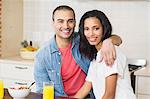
[108,52]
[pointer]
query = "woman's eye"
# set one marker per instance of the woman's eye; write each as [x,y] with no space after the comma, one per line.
[96,28]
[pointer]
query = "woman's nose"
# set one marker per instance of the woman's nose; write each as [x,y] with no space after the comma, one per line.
[90,32]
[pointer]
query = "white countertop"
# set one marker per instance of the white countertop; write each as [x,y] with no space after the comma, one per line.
[143,72]
[16,59]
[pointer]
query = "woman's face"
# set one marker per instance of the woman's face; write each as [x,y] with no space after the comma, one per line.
[93,30]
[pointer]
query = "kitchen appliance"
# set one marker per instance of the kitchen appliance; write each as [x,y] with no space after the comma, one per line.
[134,65]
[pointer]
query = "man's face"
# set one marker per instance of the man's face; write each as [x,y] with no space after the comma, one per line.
[64,23]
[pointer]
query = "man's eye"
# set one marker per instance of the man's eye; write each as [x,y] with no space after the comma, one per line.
[86,29]
[60,21]
[71,21]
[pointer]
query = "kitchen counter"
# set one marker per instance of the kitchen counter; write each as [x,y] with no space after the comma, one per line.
[143,72]
[16,59]
[142,89]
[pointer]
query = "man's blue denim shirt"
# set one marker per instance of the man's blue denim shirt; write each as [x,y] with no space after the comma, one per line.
[48,65]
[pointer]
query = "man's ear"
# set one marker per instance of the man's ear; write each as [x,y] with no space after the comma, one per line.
[52,22]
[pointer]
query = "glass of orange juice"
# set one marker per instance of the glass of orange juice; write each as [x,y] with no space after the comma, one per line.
[48,90]
[1,89]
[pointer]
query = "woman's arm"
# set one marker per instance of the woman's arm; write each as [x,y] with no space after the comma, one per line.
[108,52]
[85,89]
[110,87]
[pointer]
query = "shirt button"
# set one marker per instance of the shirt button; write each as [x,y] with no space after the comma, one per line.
[59,63]
[58,74]
[63,93]
[59,53]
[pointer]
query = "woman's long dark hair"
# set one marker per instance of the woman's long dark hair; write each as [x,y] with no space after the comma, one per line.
[85,48]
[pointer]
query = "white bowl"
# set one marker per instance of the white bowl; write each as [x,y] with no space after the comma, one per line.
[27,54]
[19,93]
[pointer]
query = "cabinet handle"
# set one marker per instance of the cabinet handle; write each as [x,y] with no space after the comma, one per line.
[21,67]
[20,83]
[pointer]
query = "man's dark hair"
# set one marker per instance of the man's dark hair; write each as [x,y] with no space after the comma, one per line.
[63,7]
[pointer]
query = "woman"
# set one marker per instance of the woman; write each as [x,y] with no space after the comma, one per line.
[107,82]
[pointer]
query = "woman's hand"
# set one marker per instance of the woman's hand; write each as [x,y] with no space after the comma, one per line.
[108,52]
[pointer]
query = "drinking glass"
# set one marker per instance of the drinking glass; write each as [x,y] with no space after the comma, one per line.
[1,89]
[48,90]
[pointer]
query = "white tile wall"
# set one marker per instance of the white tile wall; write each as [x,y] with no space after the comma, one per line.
[148,55]
[129,20]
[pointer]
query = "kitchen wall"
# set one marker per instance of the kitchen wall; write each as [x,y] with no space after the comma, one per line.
[12,26]
[129,20]
[148,55]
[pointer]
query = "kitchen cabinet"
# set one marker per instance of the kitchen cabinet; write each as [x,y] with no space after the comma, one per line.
[142,89]
[16,70]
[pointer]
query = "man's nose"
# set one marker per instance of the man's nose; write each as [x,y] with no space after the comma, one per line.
[65,25]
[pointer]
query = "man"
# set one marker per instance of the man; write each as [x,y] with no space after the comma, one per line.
[60,60]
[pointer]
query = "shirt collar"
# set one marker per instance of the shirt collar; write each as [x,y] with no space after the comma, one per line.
[54,47]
